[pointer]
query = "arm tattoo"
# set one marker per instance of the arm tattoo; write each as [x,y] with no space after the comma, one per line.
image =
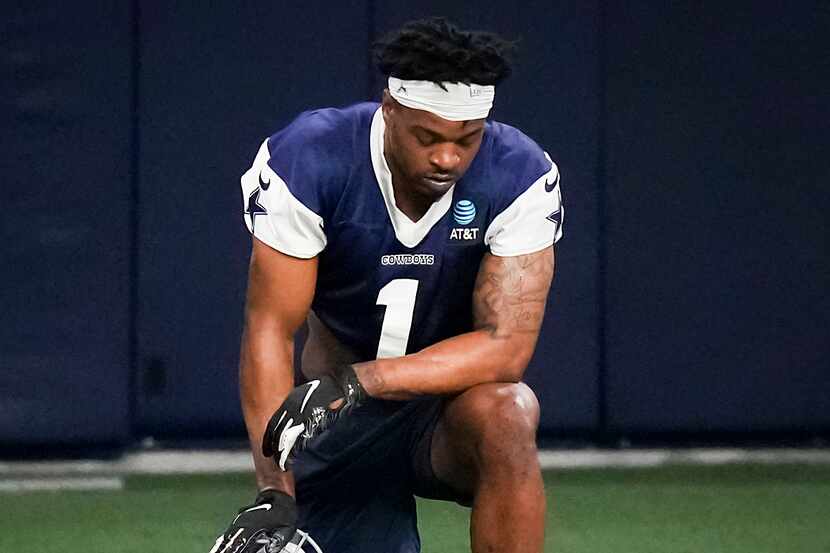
[511,292]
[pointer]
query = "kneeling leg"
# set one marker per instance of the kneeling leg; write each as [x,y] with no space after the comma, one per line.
[484,446]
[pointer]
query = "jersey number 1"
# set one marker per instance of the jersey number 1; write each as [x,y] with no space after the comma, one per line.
[399,298]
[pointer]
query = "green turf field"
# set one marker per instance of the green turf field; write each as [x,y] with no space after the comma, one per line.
[752,509]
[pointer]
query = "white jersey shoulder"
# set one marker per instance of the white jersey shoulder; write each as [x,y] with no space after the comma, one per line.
[275,216]
[532,222]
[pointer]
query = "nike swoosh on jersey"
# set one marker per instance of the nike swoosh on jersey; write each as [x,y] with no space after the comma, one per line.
[314,384]
[263,183]
[549,186]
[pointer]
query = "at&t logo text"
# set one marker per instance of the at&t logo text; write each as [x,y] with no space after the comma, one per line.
[464,234]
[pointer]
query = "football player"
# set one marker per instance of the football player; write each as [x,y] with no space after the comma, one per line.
[416,239]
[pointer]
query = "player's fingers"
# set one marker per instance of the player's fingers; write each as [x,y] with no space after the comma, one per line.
[272,430]
[261,542]
[232,541]
[288,439]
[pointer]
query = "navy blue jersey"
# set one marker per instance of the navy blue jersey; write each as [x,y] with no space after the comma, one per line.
[386,285]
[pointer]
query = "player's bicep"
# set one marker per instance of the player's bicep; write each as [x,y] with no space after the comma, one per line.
[280,290]
[510,295]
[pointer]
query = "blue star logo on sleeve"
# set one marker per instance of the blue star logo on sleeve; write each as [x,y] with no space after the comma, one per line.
[555,217]
[254,208]
[559,213]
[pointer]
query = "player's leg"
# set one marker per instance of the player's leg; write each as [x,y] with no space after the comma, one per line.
[351,481]
[353,493]
[484,447]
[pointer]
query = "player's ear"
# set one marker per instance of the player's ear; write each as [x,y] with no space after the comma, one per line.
[387,105]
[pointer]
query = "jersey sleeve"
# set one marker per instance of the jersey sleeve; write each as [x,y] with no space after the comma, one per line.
[532,222]
[275,215]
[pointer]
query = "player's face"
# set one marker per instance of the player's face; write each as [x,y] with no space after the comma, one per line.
[428,154]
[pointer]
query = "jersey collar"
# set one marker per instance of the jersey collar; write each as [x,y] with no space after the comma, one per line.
[409,233]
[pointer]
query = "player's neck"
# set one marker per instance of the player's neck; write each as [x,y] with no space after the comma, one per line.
[412,205]
[409,202]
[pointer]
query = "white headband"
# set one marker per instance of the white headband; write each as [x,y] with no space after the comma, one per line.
[459,102]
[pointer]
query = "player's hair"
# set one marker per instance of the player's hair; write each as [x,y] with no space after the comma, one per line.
[436,50]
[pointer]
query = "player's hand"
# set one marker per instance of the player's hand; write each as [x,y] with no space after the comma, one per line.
[265,526]
[307,411]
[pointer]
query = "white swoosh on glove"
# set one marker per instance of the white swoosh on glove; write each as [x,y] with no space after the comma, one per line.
[288,438]
[314,384]
[266,506]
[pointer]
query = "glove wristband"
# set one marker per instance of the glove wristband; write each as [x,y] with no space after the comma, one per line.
[353,391]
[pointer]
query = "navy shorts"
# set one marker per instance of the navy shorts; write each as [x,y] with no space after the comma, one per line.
[356,482]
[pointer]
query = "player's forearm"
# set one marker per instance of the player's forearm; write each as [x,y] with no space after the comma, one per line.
[508,307]
[265,378]
[450,366]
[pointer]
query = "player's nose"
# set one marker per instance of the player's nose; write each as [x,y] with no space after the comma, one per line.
[445,159]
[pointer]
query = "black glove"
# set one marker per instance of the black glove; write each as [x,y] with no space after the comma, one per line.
[307,412]
[264,527]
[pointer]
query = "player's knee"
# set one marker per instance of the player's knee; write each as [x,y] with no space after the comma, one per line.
[516,411]
[506,418]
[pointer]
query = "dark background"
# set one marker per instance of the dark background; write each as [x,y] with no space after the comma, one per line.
[690,300]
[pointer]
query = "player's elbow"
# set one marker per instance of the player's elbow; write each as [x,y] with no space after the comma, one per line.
[515,363]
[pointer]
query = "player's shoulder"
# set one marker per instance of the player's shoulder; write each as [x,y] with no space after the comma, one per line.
[332,132]
[299,176]
[514,160]
[328,122]
[315,153]
[526,203]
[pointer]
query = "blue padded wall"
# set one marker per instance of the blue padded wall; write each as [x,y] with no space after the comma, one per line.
[65,197]
[718,315]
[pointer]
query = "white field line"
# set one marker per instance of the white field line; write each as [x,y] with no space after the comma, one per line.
[224,461]
[22,485]
[598,458]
